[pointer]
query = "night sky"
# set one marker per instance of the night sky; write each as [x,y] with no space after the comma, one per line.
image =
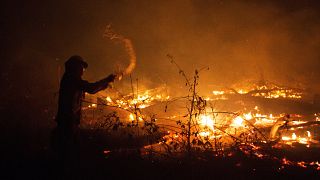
[277,40]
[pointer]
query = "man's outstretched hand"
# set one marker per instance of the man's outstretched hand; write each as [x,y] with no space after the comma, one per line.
[111,77]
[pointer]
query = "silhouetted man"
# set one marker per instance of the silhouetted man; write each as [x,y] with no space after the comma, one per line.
[71,93]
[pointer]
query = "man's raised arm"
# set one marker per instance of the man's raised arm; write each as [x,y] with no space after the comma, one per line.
[95,87]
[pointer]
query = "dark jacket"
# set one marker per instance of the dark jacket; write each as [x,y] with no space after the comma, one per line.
[72,91]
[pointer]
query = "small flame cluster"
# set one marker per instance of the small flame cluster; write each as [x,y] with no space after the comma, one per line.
[92,105]
[238,122]
[246,121]
[300,139]
[303,164]
[263,91]
[280,93]
[140,101]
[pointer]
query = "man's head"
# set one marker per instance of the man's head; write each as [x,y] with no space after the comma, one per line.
[75,65]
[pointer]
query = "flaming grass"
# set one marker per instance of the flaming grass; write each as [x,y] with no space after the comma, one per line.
[200,127]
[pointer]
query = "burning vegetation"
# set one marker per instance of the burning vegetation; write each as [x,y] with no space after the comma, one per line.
[193,125]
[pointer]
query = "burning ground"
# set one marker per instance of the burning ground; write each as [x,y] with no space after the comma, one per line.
[228,123]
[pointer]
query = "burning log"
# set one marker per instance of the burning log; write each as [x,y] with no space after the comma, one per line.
[302,125]
[280,122]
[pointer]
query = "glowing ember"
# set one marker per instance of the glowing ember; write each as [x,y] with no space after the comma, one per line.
[92,105]
[294,136]
[308,134]
[108,99]
[207,122]
[106,151]
[248,116]
[237,122]
[218,92]
[241,91]
[132,117]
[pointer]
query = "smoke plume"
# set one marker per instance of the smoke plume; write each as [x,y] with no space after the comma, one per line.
[109,33]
